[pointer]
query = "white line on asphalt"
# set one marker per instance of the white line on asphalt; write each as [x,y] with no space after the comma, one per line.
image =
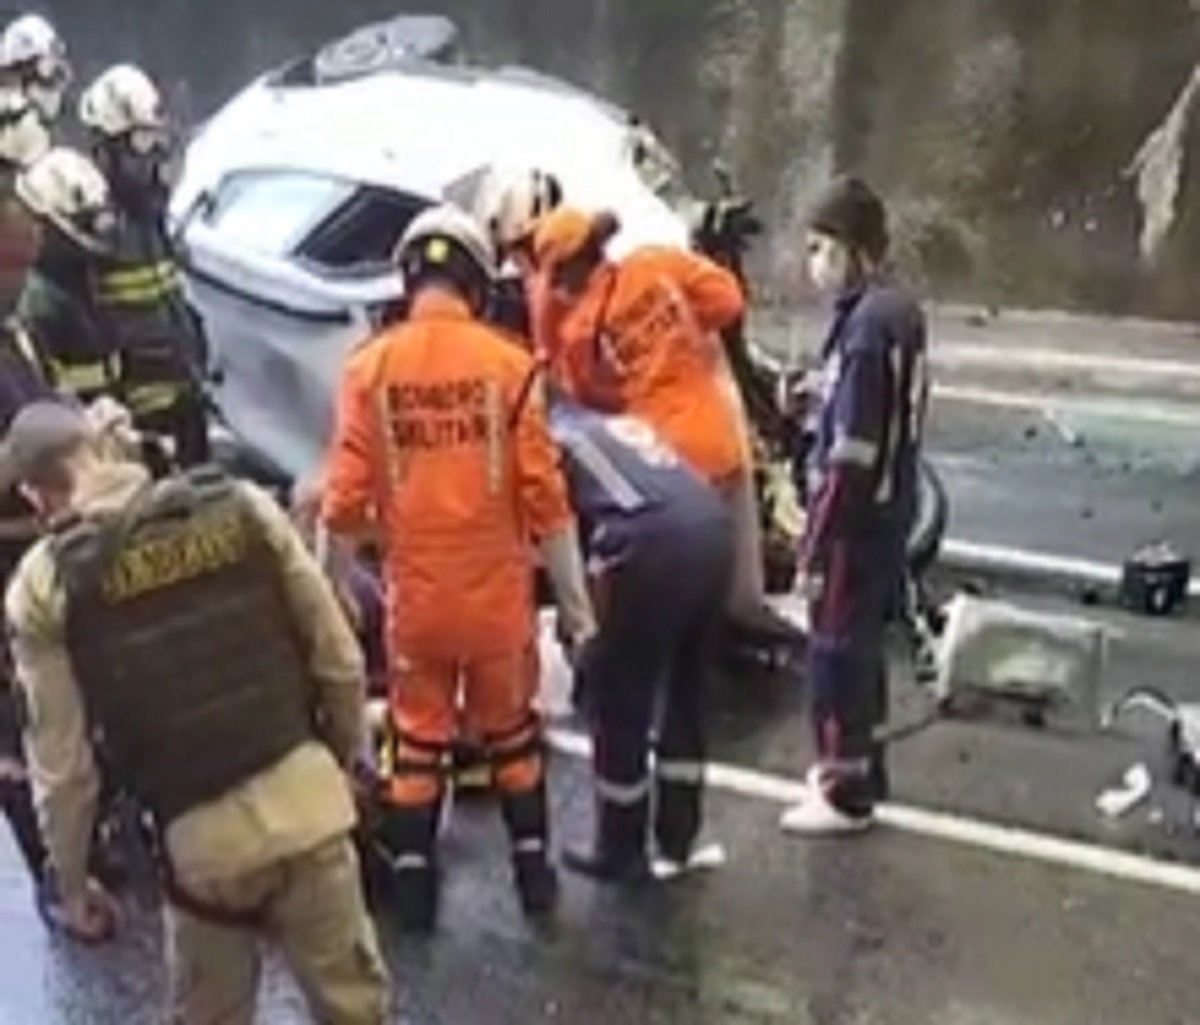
[1113,409]
[956,829]
[981,558]
[1017,356]
[998,557]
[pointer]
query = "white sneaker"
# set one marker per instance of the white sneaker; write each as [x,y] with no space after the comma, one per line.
[816,816]
[708,857]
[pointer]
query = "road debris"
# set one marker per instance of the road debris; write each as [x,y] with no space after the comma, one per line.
[1117,802]
[1183,731]
[1040,662]
[1155,580]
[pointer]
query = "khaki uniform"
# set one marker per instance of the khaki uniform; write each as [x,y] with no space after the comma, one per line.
[278,844]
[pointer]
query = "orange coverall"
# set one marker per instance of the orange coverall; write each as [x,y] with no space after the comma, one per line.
[441,448]
[641,340]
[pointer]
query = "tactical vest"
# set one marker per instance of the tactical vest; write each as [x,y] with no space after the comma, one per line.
[181,638]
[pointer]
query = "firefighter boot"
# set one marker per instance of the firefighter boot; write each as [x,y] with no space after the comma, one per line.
[406,844]
[535,878]
[618,854]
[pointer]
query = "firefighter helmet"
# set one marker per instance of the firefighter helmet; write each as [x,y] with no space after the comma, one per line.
[514,202]
[32,49]
[66,189]
[123,101]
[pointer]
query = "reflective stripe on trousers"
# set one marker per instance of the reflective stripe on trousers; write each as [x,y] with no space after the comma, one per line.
[682,771]
[624,795]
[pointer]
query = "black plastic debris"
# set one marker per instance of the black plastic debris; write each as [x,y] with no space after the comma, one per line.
[1155,580]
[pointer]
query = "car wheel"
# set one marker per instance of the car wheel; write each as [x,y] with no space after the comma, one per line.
[386,44]
[933,514]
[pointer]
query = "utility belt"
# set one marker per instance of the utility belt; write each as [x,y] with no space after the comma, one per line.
[178,896]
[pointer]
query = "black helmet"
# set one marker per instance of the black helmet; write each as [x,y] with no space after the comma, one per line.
[850,210]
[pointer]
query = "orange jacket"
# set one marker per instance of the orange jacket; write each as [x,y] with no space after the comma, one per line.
[441,445]
[641,340]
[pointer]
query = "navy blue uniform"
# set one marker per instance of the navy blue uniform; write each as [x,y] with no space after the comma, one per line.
[660,539]
[863,490]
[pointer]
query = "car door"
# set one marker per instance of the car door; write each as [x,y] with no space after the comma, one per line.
[287,270]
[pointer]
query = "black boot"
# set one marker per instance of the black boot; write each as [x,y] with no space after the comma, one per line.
[535,878]
[677,817]
[618,853]
[405,844]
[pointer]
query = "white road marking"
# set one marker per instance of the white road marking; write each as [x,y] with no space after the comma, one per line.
[956,829]
[999,558]
[1017,356]
[1176,415]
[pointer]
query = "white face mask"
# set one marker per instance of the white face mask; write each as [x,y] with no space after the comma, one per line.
[829,263]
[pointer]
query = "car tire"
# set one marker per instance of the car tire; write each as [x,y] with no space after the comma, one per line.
[933,515]
[386,44]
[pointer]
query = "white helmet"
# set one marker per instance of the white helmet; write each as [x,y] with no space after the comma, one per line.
[32,46]
[67,189]
[23,136]
[514,201]
[446,223]
[123,100]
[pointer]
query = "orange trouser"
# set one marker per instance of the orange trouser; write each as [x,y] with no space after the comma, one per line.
[497,708]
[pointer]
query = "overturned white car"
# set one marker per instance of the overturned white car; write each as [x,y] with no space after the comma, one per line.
[294,194]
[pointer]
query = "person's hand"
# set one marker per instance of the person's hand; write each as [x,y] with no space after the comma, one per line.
[12,771]
[106,414]
[306,501]
[582,677]
[91,916]
[112,426]
[573,638]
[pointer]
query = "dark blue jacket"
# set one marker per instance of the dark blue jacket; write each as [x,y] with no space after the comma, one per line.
[626,486]
[863,470]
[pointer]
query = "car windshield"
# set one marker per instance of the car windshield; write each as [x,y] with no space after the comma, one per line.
[270,212]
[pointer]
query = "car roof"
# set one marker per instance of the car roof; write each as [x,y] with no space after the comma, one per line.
[423,127]
[418,129]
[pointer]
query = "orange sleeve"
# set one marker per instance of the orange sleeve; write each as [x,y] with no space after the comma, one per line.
[347,504]
[715,295]
[542,491]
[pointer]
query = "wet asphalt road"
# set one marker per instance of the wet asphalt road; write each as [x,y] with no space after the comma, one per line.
[893,928]
[886,929]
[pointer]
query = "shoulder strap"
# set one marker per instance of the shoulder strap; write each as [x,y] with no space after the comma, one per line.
[525,393]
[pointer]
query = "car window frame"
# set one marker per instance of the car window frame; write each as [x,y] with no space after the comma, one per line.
[342,188]
[383,268]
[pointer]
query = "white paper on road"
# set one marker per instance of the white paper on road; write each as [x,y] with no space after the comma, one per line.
[1119,801]
[556,677]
